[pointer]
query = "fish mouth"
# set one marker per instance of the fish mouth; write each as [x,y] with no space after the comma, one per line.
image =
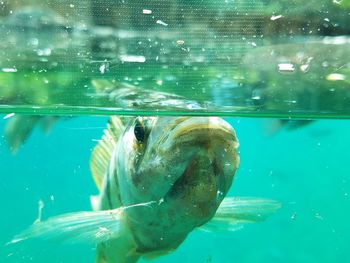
[190,162]
[199,132]
[190,178]
[210,126]
[198,191]
[209,159]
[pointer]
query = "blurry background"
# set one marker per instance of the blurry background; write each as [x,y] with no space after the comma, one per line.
[252,56]
[249,16]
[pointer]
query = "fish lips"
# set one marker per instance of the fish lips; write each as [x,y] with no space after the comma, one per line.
[206,148]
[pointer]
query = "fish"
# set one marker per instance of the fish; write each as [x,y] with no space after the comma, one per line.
[125,96]
[159,179]
[274,126]
[19,128]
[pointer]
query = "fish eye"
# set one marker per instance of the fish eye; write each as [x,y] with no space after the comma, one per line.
[139,131]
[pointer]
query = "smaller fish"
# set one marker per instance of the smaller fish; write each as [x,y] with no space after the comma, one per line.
[294,124]
[159,179]
[19,128]
[275,126]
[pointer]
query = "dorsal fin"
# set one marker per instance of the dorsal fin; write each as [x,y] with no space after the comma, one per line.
[103,151]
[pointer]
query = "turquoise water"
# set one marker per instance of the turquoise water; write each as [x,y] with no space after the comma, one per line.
[306,170]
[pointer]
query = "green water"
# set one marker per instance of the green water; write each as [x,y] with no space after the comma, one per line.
[316,86]
[306,170]
[252,62]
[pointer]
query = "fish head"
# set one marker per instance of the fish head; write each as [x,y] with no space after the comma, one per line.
[186,164]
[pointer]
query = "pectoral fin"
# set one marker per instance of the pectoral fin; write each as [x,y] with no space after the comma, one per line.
[234,212]
[92,227]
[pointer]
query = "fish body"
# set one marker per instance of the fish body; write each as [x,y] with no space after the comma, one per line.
[181,166]
[159,178]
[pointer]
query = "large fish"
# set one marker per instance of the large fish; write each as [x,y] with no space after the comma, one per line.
[159,179]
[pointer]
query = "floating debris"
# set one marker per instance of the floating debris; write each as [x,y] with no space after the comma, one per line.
[273,18]
[318,216]
[335,77]
[305,68]
[40,208]
[146,11]
[9,70]
[293,216]
[9,116]
[286,67]
[103,68]
[160,22]
[132,58]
